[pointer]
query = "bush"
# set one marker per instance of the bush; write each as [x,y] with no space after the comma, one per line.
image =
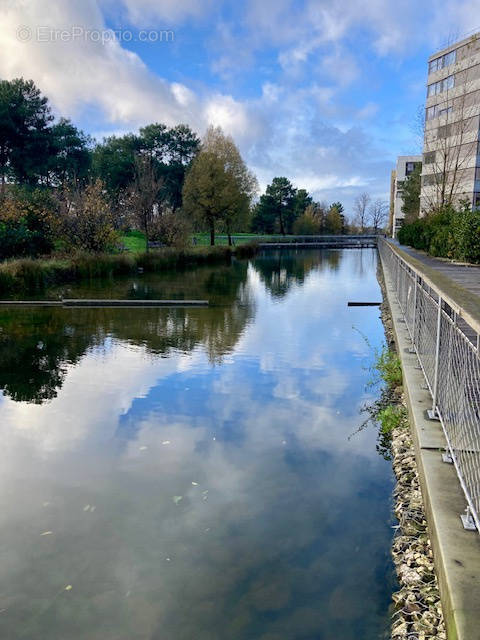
[87,220]
[447,233]
[389,367]
[171,229]
[27,223]
[306,225]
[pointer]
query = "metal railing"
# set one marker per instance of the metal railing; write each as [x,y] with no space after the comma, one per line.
[447,347]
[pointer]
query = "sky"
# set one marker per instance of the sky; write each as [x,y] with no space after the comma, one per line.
[323,92]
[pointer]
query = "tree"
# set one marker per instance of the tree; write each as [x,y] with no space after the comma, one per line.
[70,156]
[25,133]
[276,207]
[378,214]
[113,163]
[218,186]
[302,200]
[339,207]
[143,196]
[309,223]
[360,210]
[334,220]
[241,183]
[204,191]
[173,151]
[411,194]
[86,219]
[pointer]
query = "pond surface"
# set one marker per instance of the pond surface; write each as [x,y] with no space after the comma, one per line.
[188,474]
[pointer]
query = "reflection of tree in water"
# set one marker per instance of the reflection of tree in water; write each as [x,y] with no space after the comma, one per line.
[37,345]
[280,270]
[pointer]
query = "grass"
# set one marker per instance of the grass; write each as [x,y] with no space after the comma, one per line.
[203,239]
[134,241]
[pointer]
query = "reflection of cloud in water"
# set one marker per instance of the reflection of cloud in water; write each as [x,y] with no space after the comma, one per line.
[284,533]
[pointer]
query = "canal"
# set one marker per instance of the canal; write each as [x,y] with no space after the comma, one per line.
[195,474]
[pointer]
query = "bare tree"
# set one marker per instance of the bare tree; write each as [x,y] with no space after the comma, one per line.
[360,210]
[143,197]
[378,214]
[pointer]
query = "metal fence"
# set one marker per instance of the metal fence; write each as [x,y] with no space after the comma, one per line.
[447,347]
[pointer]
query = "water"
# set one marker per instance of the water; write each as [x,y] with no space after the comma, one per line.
[188,474]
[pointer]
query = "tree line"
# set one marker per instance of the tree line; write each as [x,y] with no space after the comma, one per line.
[62,190]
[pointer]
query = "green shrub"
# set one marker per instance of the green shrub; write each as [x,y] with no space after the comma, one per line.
[391,417]
[389,367]
[27,221]
[447,233]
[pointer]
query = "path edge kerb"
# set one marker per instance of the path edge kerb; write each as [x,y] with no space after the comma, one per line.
[456,551]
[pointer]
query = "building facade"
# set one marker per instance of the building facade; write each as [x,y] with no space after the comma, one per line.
[451,157]
[405,166]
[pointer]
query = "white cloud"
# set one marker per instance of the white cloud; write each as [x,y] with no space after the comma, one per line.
[170,12]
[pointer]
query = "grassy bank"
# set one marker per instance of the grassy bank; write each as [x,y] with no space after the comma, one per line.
[135,242]
[29,276]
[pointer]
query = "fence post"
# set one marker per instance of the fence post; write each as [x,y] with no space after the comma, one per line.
[432,413]
[414,317]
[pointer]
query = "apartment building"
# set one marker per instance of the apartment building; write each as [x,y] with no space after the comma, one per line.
[405,166]
[451,157]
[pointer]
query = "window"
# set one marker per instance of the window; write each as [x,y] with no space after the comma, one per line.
[449,58]
[409,168]
[429,158]
[444,131]
[445,111]
[442,61]
[448,83]
[440,86]
[431,112]
[428,180]
[476,200]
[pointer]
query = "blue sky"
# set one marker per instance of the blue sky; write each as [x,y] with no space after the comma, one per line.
[323,92]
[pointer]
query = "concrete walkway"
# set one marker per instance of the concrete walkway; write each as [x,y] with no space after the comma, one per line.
[467,276]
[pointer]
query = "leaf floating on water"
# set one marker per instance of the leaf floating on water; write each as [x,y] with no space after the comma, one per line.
[177,499]
[46,533]
[92,508]
[166,442]
[144,448]
[86,507]
[195,484]
[68,587]
[46,504]
[167,559]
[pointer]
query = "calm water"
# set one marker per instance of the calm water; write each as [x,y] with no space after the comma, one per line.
[187,474]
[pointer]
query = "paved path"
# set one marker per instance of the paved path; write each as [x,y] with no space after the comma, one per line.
[467,277]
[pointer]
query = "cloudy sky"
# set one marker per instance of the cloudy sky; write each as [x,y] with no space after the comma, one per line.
[324,92]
